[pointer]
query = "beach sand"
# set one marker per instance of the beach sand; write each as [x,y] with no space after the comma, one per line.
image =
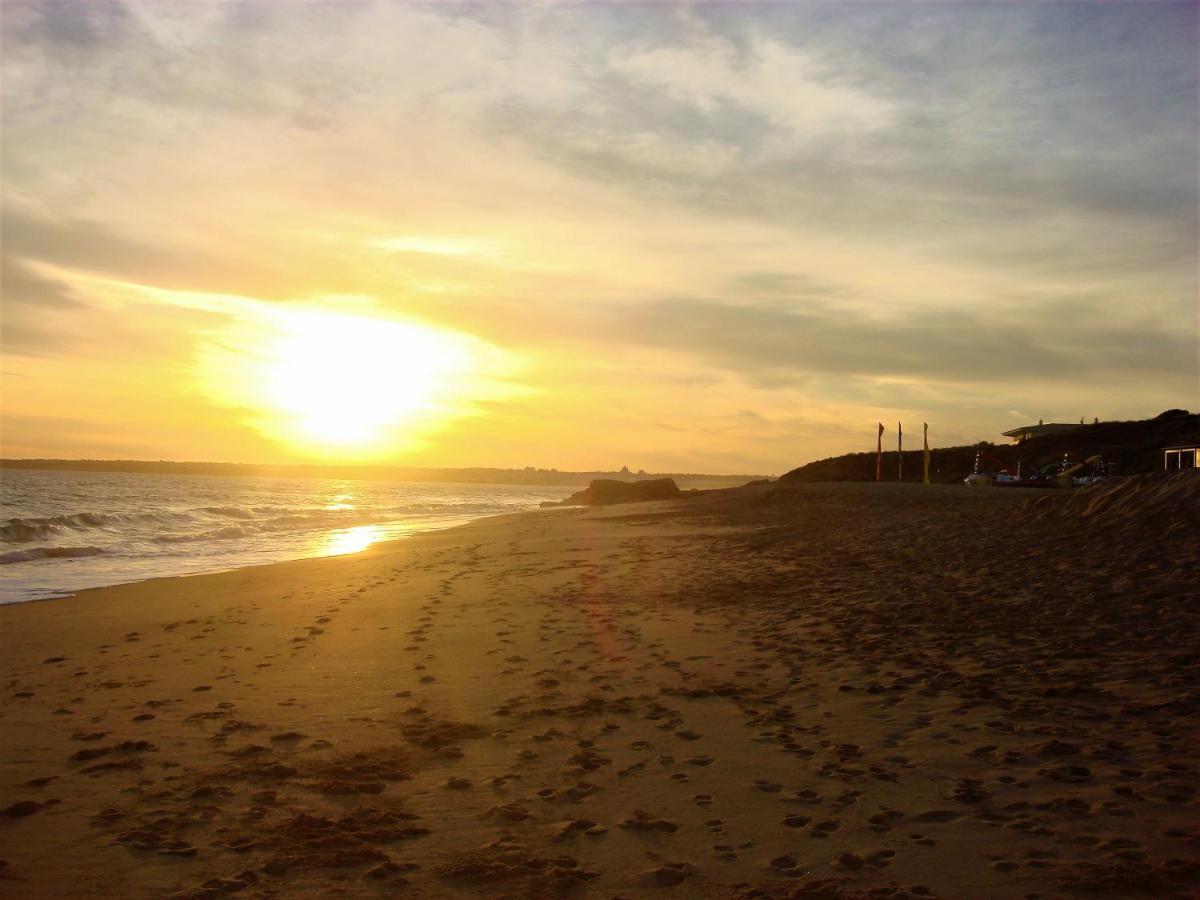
[817,691]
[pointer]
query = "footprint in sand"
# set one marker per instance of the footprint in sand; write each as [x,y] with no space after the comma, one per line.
[25,808]
[671,874]
[824,829]
[786,864]
[643,821]
[938,815]
[880,859]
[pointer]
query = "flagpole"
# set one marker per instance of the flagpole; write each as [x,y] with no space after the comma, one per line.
[926,459]
[879,454]
[900,451]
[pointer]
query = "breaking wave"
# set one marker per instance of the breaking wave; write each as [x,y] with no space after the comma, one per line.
[202,523]
[93,529]
[40,529]
[16,556]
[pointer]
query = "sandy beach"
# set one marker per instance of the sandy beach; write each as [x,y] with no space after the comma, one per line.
[818,691]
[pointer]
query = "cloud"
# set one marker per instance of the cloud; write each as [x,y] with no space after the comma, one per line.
[776,346]
[21,286]
[80,244]
[64,25]
[1014,140]
[779,82]
[30,309]
[833,206]
[768,284]
[183,261]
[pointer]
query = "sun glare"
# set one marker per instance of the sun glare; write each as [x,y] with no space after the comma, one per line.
[326,383]
[350,540]
[343,380]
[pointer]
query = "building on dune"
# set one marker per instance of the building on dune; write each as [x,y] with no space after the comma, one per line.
[1025,432]
[1181,456]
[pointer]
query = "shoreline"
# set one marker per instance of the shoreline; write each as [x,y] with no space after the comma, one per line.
[831,686]
[461,522]
[166,579]
[396,532]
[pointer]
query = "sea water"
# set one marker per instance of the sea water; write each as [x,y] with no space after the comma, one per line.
[63,531]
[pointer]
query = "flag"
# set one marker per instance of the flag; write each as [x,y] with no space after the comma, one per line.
[926,452]
[900,451]
[879,454]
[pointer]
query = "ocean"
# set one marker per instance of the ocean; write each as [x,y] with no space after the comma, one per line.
[61,532]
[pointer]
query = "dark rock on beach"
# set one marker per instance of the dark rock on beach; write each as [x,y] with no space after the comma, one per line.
[605,491]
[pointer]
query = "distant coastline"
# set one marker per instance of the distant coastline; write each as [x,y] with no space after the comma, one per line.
[475,475]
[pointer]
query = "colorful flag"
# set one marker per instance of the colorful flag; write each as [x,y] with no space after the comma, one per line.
[926,452]
[900,451]
[879,454]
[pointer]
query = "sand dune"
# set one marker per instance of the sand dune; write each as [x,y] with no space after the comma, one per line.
[819,691]
[1150,503]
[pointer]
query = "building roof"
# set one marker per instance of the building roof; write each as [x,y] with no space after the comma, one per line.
[1037,430]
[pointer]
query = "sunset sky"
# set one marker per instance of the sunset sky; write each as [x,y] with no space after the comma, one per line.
[708,238]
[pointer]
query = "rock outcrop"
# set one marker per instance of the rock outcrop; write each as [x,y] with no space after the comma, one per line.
[606,491]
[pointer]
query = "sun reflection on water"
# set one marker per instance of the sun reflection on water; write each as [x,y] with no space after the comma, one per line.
[351,540]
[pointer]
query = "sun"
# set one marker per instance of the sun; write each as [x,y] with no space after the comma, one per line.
[345,380]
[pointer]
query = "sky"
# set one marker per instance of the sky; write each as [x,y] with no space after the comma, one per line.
[709,237]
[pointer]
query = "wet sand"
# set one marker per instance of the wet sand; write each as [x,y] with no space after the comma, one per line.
[818,691]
